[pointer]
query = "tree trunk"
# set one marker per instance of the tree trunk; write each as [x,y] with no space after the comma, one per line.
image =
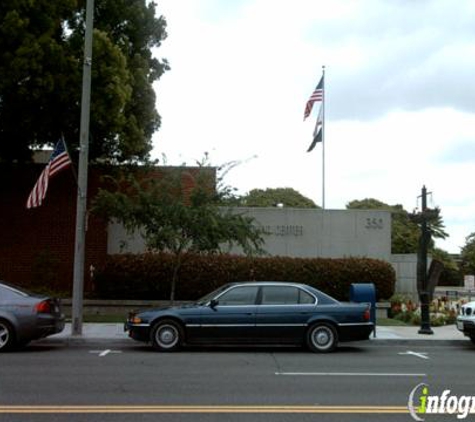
[176,268]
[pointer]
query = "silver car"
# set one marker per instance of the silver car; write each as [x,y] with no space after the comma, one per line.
[25,317]
[466,320]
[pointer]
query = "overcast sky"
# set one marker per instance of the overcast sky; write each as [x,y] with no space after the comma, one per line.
[399,98]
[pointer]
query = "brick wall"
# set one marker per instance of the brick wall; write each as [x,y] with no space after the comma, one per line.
[37,245]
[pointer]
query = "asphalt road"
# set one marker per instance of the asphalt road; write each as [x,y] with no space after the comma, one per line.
[129,382]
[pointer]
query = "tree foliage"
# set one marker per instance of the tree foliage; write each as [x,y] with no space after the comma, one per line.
[178,212]
[272,197]
[468,255]
[41,61]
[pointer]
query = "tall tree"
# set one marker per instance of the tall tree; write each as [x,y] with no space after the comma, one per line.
[41,57]
[468,255]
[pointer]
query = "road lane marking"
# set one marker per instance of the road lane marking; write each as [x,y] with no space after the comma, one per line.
[202,409]
[349,374]
[103,353]
[422,355]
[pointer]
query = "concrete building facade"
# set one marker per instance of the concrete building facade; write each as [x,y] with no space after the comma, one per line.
[310,233]
[304,233]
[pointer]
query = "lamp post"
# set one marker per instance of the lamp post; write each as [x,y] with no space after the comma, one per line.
[422,281]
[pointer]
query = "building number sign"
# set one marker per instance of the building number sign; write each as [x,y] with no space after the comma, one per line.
[374,223]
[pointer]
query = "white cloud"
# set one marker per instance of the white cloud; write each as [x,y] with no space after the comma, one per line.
[399,97]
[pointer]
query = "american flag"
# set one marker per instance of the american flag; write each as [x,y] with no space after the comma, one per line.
[317,95]
[58,161]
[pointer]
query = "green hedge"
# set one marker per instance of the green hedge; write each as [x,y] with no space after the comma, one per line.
[148,276]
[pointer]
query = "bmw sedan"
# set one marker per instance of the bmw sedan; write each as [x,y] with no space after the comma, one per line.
[466,320]
[255,313]
[25,317]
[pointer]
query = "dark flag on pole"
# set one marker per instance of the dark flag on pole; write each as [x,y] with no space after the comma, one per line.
[318,132]
[317,96]
[58,161]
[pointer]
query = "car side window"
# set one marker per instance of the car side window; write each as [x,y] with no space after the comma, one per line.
[8,294]
[305,298]
[285,295]
[239,296]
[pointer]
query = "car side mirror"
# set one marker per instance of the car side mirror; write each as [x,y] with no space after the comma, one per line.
[213,303]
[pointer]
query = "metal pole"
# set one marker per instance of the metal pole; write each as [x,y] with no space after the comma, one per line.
[78,281]
[323,139]
[422,269]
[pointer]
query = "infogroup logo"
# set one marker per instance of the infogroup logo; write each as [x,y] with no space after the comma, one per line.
[421,403]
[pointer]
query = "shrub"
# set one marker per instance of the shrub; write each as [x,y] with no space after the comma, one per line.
[148,276]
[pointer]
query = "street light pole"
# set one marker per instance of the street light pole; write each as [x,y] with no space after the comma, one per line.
[81,207]
[422,281]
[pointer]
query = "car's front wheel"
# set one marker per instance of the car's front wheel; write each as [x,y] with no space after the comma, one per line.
[472,338]
[7,335]
[322,337]
[167,336]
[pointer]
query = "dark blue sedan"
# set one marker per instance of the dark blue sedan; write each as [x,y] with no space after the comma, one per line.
[255,313]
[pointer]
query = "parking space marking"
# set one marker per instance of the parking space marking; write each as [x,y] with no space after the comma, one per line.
[422,355]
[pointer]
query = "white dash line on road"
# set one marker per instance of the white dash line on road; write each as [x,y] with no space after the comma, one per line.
[103,353]
[422,355]
[348,374]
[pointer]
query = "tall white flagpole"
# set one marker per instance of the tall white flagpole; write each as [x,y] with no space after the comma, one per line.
[323,138]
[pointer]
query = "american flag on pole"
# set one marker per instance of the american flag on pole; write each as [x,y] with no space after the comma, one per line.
[317,95]
[58,161]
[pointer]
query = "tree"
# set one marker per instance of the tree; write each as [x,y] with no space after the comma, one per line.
[468,255]
[452,274]
[41,58]
[270,197]
[178,212]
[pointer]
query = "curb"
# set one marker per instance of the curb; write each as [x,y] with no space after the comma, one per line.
[420,342]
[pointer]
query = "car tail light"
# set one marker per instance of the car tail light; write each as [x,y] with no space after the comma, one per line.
[43,307]
[367,314]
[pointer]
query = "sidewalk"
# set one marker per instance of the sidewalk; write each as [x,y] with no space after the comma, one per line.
[446,332]
[93,332]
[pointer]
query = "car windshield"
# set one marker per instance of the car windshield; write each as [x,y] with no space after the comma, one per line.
[205,299]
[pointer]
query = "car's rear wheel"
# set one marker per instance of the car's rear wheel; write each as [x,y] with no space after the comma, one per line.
[322,338]
[7,335]
[167,336]
[472,337]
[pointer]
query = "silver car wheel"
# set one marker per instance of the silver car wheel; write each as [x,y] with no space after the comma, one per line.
[167,336]
[322,338]
[6,335]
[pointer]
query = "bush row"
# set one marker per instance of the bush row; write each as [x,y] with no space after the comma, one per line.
[148,276]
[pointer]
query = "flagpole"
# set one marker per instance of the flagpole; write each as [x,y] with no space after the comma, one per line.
[79,253]
[323,138]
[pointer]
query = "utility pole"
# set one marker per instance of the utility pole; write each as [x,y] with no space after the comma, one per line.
[81,208]
[422,281]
